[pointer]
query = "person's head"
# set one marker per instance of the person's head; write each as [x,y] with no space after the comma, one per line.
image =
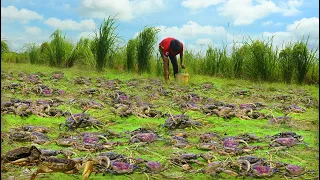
[175,46]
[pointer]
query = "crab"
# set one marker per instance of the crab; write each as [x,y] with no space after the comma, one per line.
[287,135]
[22,110]
[146,110]
[119,167]
[280,120]
[225,112]
[206,86]
[295,170]
[288,142]
[54,164]
[262,171]
[122,110]
[20,136]
[154,167]
[208,137]
[133,83]
[207,146]
[286,139]
[144,137]
[40,129]
[89,91]
[231,146]
[179,141]
[242,93]
[84,104]
[49,152]
[120,98]
[80,120]
[93,147]
[34,78]
[39,138]
[113,155]
[66,142]
[180,122]
[57,75]
[164,92]
[248,137]
[82,80]
[190,106]
[294,109]
[182,159]
[108,84]
[208,109]
[216,167]
[22,156]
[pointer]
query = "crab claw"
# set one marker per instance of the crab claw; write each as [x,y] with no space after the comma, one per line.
[242,141]
[88,168]
[19,161]
[100,136]
[102,160]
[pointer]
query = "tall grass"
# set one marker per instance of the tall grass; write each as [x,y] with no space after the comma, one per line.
[58,51]
[34,53]
[210,62]
[239,56]
[146,41]
[193,61]
[105,41]
[131,54]
[159,66]
[4,46]
[81,55]
[262,61]
[286,63]
[303,60]
[13,57]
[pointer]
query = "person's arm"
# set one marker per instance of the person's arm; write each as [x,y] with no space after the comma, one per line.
[181,60]
[165,64]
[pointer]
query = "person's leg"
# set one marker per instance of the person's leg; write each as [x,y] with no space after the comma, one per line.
[174,63]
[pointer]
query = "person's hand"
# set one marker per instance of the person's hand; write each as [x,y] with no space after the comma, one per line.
[183,66]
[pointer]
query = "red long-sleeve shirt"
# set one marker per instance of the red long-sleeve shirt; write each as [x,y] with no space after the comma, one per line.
[164,45]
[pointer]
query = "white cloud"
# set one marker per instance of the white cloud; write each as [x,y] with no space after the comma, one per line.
[122,9]
[198,4]
[290,8]
[266,23]
[202,36]
[86,34]
[245,12]
[299,30]
[191,30]
[16,42]
[32,30]
[270,22]
[69,24]
[23,15]
[204,41]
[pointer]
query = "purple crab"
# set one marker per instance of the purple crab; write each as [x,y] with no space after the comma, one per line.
[144,137]
[154,166]
[122,167]
[290,141]
[262,171]
[230,143]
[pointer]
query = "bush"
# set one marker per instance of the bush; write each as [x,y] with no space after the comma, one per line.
[104,43]
[146,41]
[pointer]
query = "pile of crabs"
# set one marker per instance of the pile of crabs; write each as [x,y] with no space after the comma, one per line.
[83,133]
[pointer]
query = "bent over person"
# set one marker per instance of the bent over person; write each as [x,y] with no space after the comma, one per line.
[169,48]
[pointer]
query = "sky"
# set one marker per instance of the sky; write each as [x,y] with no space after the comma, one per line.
[196,23]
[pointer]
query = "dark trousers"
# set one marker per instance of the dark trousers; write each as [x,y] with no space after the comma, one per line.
[174,63]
